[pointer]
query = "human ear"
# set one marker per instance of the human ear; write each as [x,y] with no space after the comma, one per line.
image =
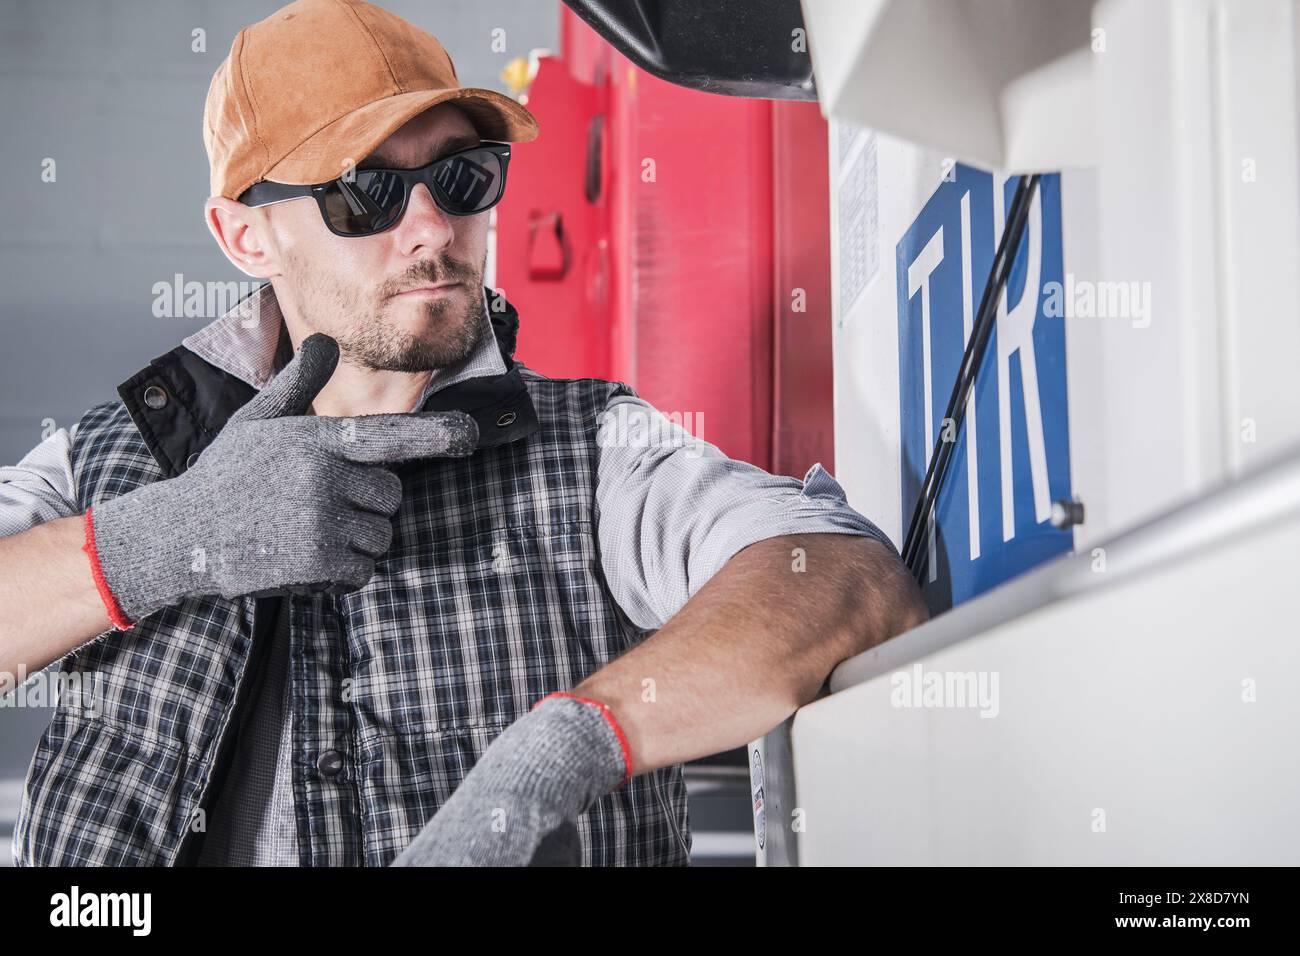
[244,235]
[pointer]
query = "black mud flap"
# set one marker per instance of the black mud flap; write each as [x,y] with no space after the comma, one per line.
[752,48]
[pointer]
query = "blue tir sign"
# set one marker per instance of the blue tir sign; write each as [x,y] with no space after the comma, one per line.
[1012,453]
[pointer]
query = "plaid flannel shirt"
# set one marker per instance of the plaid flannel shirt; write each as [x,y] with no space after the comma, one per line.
[512,573]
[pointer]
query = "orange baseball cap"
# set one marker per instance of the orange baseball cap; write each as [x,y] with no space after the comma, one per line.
[316,86]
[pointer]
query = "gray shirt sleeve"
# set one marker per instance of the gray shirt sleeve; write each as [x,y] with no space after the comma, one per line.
[39,488]
[672,509]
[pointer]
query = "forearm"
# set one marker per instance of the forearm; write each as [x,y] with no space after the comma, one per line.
[754,644]
[51,605]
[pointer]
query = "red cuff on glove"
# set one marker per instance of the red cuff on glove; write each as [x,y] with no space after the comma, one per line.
[609,718]
[115,613]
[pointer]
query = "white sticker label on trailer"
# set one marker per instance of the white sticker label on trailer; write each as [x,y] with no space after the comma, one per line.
[859,213]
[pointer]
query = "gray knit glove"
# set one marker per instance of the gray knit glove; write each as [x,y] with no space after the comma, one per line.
[279,502]
[520,803]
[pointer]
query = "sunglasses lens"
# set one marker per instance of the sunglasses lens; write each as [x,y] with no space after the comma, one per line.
[463,184]
[369,204]
[469,182]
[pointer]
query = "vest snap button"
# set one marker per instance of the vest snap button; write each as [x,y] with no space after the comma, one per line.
[189,462]
[329,763]
[155,397]
[505,418]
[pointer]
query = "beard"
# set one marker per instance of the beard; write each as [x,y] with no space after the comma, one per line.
[449,327]
[452,330]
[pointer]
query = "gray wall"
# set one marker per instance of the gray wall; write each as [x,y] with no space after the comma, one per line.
[111,91]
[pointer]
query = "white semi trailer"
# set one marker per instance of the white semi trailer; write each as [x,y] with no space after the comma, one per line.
[1109,677]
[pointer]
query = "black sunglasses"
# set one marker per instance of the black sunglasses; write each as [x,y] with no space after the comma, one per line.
[367,201]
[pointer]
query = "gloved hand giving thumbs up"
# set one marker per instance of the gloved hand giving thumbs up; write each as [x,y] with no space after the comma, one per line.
[279,501]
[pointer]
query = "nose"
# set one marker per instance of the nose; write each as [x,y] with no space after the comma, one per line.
[424,225]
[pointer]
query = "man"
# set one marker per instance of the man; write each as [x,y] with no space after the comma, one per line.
[397,597]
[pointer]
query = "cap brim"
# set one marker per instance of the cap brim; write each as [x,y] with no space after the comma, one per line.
[348,140]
